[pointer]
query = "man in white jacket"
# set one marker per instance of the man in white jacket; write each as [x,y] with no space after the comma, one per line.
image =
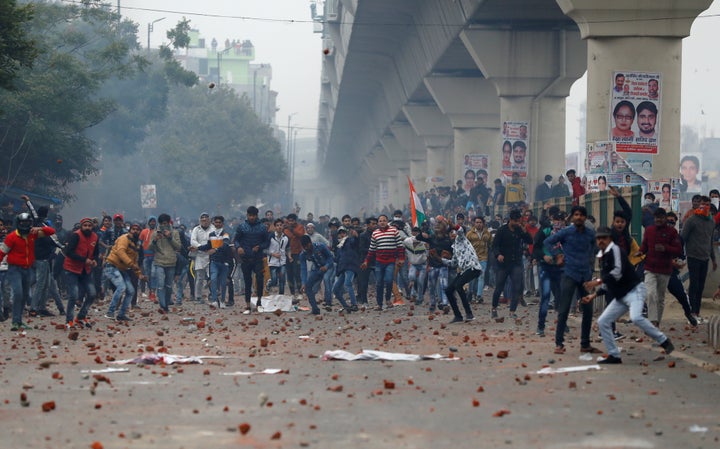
[201,260]
[277,257]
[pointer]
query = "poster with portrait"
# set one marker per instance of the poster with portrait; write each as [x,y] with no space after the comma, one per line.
[474,165]
[690,174]
[599,183]
[635,111]
[148,196]
[666,191]
[515,151]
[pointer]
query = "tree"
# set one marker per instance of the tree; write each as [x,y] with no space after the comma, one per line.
[17,49]
[210,149]
[43,142]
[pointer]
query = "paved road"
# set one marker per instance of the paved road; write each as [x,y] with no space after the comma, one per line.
[650,401]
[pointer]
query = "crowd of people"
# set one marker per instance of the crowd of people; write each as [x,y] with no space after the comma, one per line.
[447,262]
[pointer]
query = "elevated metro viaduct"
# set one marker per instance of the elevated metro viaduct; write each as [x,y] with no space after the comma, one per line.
[411,86]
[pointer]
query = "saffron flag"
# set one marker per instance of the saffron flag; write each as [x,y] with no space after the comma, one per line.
[416,208]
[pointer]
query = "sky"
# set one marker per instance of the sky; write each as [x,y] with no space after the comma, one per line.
[283,37]
[280,30]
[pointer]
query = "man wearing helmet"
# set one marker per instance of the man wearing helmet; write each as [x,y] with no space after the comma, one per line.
[19,246]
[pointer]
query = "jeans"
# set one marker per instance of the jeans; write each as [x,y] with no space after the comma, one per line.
[123,285]
[79,286]
[42,285]
[363,281]
[656,285]
[277,278]
[416,276]
[632,302]
[568,288]
[676,288]
[218,280]
[182,274]
[698,272]
[19,280]
[345,281]
[328,282]
[147,267]
[384,273]
[293,274]
[402,280]
[457,286]
[437,283]
[314,279]
[479,283]
[163,279]
[549,284]
[502,273]
[248,267]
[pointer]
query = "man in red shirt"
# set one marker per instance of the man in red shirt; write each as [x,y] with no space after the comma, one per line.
[19,246]
[577,188]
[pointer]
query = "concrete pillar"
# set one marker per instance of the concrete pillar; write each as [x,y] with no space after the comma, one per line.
[416,152]
[434,128]
[472,106]
[532,72]
[638,36]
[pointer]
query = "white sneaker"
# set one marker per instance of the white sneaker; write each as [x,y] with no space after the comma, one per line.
[222,305]
[214,304]
[246,312]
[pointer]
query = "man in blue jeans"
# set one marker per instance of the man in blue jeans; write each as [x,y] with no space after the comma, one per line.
[122,259]
[322,261]
[578,249]
[19,246]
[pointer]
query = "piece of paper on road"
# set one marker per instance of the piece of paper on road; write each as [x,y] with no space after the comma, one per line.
[568,369]
[368,354]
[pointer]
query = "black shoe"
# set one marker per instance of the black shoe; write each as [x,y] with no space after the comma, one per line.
[446,310]
[314,312]
[457,319]
[328,308]
[691,319]
[667,346]
[469,319]
[494,313]
[610,360]
[354,308]
[590,350]
[45,313]
[123,318]
[33,313]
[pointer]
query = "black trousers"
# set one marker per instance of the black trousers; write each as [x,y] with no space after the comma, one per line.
[456,285]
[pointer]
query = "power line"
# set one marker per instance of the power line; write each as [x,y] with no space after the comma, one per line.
[378,24]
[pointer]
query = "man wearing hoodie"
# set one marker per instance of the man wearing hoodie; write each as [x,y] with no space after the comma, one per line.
[165,242]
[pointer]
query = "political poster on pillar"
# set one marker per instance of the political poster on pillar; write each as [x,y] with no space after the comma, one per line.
[474,166]
[515,150]
[635,111]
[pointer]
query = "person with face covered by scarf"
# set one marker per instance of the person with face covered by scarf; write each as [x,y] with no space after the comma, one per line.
[121,260]
[19,246]
[697,233]
[80,259]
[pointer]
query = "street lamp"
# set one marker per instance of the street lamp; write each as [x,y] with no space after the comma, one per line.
[219,59]
[150,28]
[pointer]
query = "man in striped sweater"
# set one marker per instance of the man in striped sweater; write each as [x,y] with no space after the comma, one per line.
[386,249]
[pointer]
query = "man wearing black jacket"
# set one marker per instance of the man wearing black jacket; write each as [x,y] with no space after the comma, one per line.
[508,250]
[620,281]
